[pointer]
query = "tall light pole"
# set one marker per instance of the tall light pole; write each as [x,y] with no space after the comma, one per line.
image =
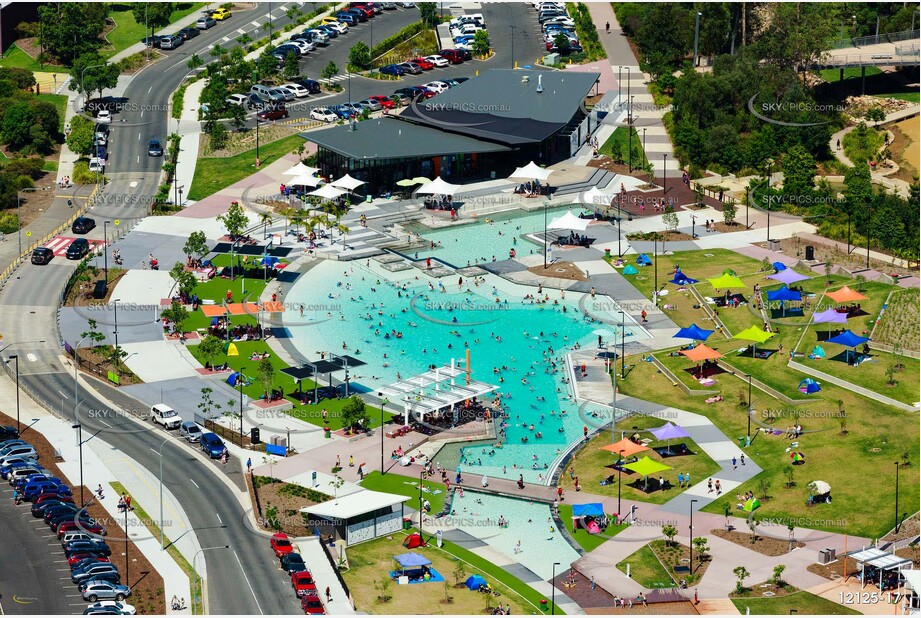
[620,469]
[147,33]
[696,38]
[896,496]
[655,268]
[421,510]
[105,237]
[691,531]
[160,453]
[664,178]
[242,382]
[623,337]
[384,402]
[15,357]
[693,223]
[553,589]
[770,165]
[80,443]
[115,302]
[749,433]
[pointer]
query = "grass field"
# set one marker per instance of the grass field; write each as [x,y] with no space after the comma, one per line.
[15,58]
[407,486]
[645,569]
[804,603]
[216,173]
[128,31]
[592,465]
[586,541]
[618,147]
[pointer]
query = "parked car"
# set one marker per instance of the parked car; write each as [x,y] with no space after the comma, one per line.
[79,557]
[82,563]
[91,527]
[318,35]
[275,113]
[281,544]
[188,33]
[303,584]
[323,114]
[365,10]
[18,450]
[335,24]
[122,608]
[413,92]
[42,256]
[220,14]
[153,41]
[348,18]
[8,432]
[303,43]
[423,63]
[255,101]
[410,67]
[82,225]
[237,99]
[16,461]
[311,604]
[104,116]
[392,69]
[190,431]
[287,94]
[330,31]
[162,414]
[293,563]
[96,571]
[96,590]
[205,23]
[437,60]
[39,508]
[438,87]
[171,41]
[312,85]
[382,101]
[371,105]
[212,445]
[87,546]
[360,15]
[286,48]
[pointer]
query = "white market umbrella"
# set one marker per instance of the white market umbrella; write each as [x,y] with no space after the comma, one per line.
[348,183]
[531,171]
[304,180]
[569,221]
[438,187]
[327,192]
[594,197]
[819,487]
[301,169]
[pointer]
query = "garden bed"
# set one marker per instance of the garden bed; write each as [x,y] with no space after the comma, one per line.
[282,503]
[761,544]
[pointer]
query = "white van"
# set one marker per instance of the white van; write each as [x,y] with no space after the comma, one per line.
[165,415]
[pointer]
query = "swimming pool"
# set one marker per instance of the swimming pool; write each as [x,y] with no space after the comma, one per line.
[541,543]
[488,239]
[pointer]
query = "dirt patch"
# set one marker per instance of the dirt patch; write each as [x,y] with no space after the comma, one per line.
[904,148]
[908,529]
[35,203]
[146,584]
[763,545]
[241,141]
[733,227]
[835,251]
[757,591]
[912,553]
[834,570]
[663,236]
[560,270]
[95,361]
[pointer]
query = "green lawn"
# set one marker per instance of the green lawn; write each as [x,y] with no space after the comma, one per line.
[586,541]
[128,31]
[216,173]
[646,570]
[592,465]
[618,147]
[407,486]
[15,58]
[60,102]
[805,603]
[833,75]
[877,83]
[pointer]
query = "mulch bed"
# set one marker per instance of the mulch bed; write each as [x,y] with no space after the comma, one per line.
[288,506]
[834,570]
[757,591]
[679,555]
[909,528]
[560,270]
[146,584]
[663,236]
[763,545]
[92,360]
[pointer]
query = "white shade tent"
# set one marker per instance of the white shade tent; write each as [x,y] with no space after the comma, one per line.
[438,187]
[531,171]
[327,192]
[304,180]
[301,169]
[348,183]
[595,197]
[569,221]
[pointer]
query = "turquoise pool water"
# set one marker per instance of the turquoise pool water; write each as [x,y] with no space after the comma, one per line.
[490,237]
[541,543]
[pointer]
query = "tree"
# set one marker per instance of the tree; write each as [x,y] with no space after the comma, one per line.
[92,334]
[890,376]
[207,403]
[875,114]
[237,116]
[91,73]
[561,41]
[330,70]
[729,213]
[234,220]
[196,244]
[798,174]
[669,532]
[265,218]
[383,586]
[266,65]
[459,572]
[80,138]
[217,132]
[354,413]
[266,373]
[428,13]
[669,218]
[481,43]
[177,314]
[292,68]
[360,56]
[185,280]
[210,348]
[156,14]
[764,486]
[701,547]
[777,578]
[665,37]
[741,573]
[115,355]
[194,62]
[70,29]
[798,34]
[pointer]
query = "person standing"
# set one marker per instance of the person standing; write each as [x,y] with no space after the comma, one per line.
[742,458]
[249,465]
[719,489]
[607,30]
[734,461]
[687,479]
[559,493]
[329,595]
[351,461]
[709,486]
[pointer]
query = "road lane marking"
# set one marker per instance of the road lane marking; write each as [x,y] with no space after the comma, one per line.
[194,483]
[253,592]
[219,519]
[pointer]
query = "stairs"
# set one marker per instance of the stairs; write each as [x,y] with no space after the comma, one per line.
[599,178]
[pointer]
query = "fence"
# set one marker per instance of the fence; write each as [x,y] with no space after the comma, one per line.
[877,39]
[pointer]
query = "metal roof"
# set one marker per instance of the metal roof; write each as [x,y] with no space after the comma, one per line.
[353,505]
[394,139]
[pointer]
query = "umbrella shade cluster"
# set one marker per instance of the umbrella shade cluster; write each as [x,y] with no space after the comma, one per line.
[438,187]
[755,335]
[647,466]
[829,316]
[595,197]
[701,353]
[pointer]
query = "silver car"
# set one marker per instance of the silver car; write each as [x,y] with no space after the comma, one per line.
[190,431]
[371,105]
[95,590]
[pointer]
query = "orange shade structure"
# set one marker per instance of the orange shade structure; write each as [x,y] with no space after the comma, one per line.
[233,309]
[845,295]
[701,353]
[625,448]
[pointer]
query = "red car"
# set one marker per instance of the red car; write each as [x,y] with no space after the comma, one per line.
[281,544]
[51,496]
[424,64]
[452,55]
[75,558]
[428,94]
[386,102]
[277,113]
[303,583]
[71,526]
[364,8]
[311,604]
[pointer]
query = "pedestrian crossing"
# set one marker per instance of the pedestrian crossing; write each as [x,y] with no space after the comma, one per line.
[59,244]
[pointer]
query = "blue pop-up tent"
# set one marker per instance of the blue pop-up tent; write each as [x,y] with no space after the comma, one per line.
[809,386]
[412,559]
[643,260]
[269,261]
[235,378]
[682,279]
[475,582]
[630,269]
[590,509]
[779,266]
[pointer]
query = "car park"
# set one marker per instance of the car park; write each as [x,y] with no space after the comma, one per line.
[451,55]
[220,14]
[410,68]
[96,590]
[8,432]
[303,43]
[212,445]
[190,431]
[413,92]
[311,604]
[281,544]
[335,24]
[392,69]
[323,114]
[188,33]
[303,583]
[94,571]
[204,23]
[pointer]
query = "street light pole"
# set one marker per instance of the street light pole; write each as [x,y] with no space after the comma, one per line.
[664,179]
[16,358]
[896,496]
[127,561]
[623,336]
[421,510]
[384,402]
[195,557]
[696,38]
[693,223]
[105,242]
[242,382]
[620,469]
[115,305]
[655,267]
[553,589]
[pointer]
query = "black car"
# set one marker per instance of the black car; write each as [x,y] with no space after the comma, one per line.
[95,547]
[78,249]
[293,563]
[155,148]
[188,33]
[82,225]
[255,102]
[8,432]
[153,41]
[284,50]
[42,256]
[413,92]
[358,14]
[102,153]
[38,510]
[312,86]
[55,511]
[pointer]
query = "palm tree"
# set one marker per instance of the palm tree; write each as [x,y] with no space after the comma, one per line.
[288,213]
[265,218]
[344,230]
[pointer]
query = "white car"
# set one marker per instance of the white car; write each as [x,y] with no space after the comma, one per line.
[437,60]
[562,21]
[97,164]
[437,87]
[238,99]
[465,29]
[464,46]
[104,116]
[323,114]
[124,608]
[299,91]
[340,26]
[318,35]
[303,45]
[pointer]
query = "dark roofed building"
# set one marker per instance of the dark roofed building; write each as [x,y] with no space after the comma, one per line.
[483,128]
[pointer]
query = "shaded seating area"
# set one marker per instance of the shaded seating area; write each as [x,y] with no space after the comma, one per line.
[850,341]
[879,568]
[706,358]
[589,517]
[783,296]
[730,300]
[413,568]
[667,432]
[756,336]
[646,467]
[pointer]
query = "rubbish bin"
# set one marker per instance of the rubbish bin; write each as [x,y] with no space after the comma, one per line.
[607,253]
[742,441]
[810,253]
[543,604]
[327,432]
[407,523]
